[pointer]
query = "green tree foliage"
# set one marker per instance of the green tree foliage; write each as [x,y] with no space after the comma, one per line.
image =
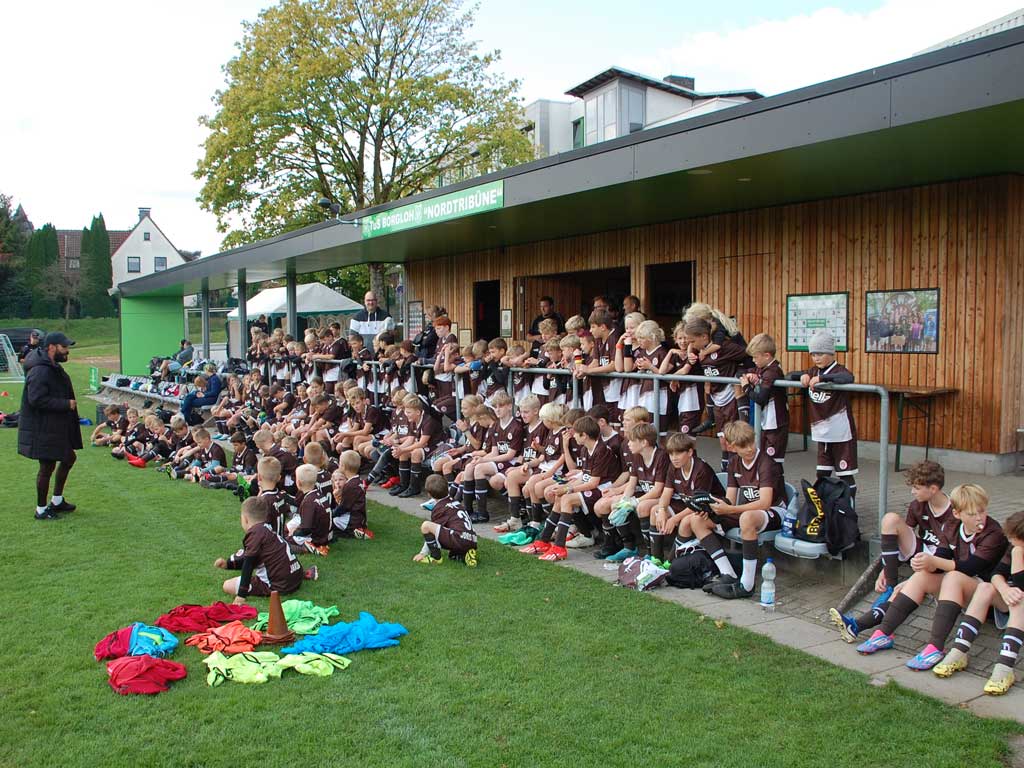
[15,296]
[359,102]
[97,271]
[354,281]
[40,254]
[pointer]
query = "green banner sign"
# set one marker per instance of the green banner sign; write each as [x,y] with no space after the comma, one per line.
[466,202]
[94,379]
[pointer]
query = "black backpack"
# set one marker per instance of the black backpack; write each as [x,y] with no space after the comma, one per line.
[692,570]
[827,515]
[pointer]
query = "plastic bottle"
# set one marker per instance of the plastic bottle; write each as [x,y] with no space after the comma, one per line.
[788,523]
[768,585]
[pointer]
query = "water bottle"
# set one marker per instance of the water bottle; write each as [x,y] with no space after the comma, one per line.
[788,523]
[768,586]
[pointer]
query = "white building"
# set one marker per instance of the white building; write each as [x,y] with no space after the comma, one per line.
[146,250]
[618,102]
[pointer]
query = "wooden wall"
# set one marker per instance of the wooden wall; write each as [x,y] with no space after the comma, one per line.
[965,237]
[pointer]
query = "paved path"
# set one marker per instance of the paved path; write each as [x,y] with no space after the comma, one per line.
[801,622]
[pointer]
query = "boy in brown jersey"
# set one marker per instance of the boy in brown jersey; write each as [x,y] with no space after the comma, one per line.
[688,474]
[265,444]
[902,538]
[348,499]
[972,547]
[313,533]
[384,469]
[243,464]
[115,425]
[1005,595]
[414,451]
[207,459]
[282,505]
[266,562]
[316,456]
[613,541]
[449,528]
[502,445]
[755,500]
[598,466]
[758,384]
[832,425]
[534,435]
[606,336]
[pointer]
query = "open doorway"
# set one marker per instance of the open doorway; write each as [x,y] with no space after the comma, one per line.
[573,293]
[486,310]
[669,291]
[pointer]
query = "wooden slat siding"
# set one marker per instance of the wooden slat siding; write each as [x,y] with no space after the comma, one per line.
[966,238]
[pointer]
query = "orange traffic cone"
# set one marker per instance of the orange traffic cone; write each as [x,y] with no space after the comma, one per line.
[277,628]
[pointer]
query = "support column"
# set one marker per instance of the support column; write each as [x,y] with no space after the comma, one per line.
[204,304]
[293,318]
[243,317]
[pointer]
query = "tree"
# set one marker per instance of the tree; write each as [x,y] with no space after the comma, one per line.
[97,271]
[361,103]
[61,286]
[15,230]
[353,281]
[40,254]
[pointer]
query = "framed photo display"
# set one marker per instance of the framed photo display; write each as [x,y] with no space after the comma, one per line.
[414,319]
[807,313]
[902,322]
[506,324]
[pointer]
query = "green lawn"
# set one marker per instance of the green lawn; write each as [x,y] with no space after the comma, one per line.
[514,663]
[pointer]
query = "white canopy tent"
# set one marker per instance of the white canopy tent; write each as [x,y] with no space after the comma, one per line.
[311,299]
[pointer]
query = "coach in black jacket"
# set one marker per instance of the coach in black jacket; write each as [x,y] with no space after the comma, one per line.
[48,429]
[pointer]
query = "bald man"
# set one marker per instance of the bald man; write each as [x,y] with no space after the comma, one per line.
[371,321]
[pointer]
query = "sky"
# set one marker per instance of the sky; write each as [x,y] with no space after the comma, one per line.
[101,100]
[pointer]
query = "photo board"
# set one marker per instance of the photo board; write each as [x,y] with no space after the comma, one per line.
[807,313]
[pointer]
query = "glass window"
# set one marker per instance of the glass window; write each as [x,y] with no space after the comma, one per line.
[74,264]
[159,263]
[633,109]
[145,236]
[578,136]
[134,264]
[591,122]
[610,114]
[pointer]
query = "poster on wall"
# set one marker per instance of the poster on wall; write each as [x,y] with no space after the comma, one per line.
[904,322]
[414,319]
[810,312]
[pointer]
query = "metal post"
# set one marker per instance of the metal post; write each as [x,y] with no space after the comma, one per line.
[657,406]
[243,317]
[757,424]
[458,400]
[204,299]
[376,394]
[575,392]
[293,317]
[883,457]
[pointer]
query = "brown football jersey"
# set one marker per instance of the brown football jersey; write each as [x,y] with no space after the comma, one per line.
[988,545]
[929,527]
[649,474]
[274,560]
[244,461]
[315,517]
[726,361]
[428,426]
[702,477]
[602,463]
[450,514]
[762,472]
[533,441]
[282,505]
[212,454]
[775,413]
[502,438]
[829,406]
[353,503]
[553,444]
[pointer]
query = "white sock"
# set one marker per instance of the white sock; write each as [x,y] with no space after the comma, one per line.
[749,572]
[57,500]
[725,567]
[40,510]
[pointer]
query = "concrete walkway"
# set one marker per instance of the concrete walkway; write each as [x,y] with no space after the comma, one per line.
[798,623]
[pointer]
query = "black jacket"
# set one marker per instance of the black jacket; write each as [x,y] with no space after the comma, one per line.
[47,427]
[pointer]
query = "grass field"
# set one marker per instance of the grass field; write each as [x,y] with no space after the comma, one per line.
[514,663]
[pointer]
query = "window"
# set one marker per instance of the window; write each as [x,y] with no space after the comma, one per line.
[632,107]
[145,236]
[610,114]
[159,263]
[134,264]
[591,120]
[578,136]
[74,264]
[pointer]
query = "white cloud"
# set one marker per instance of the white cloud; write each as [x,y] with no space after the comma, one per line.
[773,56]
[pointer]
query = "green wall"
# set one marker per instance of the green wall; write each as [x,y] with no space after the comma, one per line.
[149,326]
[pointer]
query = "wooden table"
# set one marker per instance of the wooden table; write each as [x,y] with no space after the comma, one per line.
[920,399]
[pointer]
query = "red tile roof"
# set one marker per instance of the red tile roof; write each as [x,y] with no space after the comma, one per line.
[69,242]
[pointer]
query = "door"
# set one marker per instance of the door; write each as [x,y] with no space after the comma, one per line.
[487,310]
[670,290]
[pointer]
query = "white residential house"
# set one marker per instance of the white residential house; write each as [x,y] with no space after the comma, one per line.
[146,250]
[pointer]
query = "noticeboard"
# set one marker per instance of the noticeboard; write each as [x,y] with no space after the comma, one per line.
[810,312]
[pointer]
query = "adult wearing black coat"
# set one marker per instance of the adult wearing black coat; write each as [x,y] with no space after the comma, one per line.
[48,429]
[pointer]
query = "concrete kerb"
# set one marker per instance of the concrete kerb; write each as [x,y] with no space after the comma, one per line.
[793,631]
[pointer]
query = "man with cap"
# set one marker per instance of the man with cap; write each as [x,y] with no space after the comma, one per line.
[31,346]
[48,429]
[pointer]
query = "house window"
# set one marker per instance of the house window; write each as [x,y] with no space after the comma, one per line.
[145,236]
[134,264]
[590,122]
[578,136]
[632,106]
[74,264]
[159,263]
[610,115]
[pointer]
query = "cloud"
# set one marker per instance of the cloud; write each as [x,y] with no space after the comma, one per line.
[773,56]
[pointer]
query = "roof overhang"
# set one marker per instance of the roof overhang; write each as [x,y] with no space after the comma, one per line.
[949,114]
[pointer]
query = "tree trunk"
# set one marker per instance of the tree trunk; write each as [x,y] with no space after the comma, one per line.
[377,282]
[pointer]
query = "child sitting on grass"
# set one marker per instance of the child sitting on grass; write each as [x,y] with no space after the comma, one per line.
[207,459]
[449,528]
[243,464]
[110,431]
[282,504]
[1005,595]
[313,531]
[266,562]
[348,499]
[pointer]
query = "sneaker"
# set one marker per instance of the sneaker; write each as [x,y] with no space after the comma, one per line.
[311,574]
[320,551]
[363,533]
[536,548]
[397,489]
[470,558]
[719,578]
[955,661]
[428,560]
[879,641]
[998,686]
[579,541]
[477,517]
[47,514]
[391,482]
[204,483]
[174,474]
[606,551]
[622,554]
[926,659]
[64,506]
[554,554]
[509,526]
[429,504]
[731,591]
[847,625]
